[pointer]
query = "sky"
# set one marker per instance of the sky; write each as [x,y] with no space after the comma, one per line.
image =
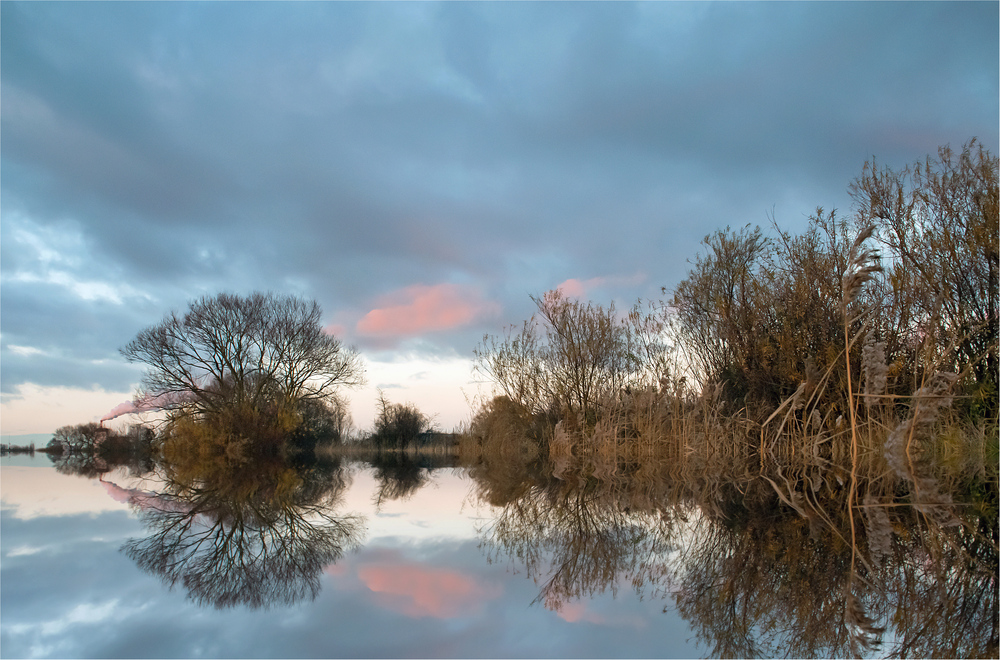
[422,169]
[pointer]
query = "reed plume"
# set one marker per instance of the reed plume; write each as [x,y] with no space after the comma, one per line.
[878,528]
[928,402]
[862,264]
[874,371]
[864,634]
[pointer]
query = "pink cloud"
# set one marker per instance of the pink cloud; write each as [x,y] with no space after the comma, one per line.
[418,591]
[574,288]
[420,308]
[335,330]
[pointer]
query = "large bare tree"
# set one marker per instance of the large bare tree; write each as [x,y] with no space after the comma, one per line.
[254,352]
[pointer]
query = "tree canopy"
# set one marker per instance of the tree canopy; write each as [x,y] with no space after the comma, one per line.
[259,355]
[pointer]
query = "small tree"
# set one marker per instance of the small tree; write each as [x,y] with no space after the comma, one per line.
[78,438]
[574,358]
[245,362]
[322,422]
[717,308]
[397,425]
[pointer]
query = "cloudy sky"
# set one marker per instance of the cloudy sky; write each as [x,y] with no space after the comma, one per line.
[421,169]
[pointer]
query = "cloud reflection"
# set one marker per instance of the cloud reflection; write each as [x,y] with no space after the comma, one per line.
[418,590]
[449,602]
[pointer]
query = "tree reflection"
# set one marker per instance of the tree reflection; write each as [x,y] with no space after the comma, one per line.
[575,538]
[399,476]
[257,534]
[761,583]
[946,590]
[760,565]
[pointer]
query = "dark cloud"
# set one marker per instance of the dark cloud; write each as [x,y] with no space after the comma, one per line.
[347,151]
[54,339]
[61,370]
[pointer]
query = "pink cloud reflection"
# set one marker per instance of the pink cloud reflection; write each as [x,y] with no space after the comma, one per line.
[419,591]
[142,499]
[417,309]
[573,612]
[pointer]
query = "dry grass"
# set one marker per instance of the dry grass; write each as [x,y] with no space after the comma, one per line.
[863,400]
[852,463]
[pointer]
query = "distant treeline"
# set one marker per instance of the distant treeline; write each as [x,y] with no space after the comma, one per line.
[18,449]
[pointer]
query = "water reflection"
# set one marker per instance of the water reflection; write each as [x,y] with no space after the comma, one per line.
[760,558]
[578,542]
[258,535]
[401,474]
[760,565]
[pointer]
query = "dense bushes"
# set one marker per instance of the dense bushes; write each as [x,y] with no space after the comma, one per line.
[937,303]
[91,449]
[754,311]
[843,323]
[574,359]
[397,425]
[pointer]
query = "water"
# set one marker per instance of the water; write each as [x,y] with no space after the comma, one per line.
[418,584]
[503,559]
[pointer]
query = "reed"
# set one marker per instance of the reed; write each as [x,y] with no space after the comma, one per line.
[862,264]
[863,398]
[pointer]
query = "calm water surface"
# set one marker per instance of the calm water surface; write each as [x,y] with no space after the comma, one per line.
[420,577]
[506,559]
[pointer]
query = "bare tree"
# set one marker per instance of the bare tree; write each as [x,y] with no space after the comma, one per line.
[229,352]
[398,424]
[574,356]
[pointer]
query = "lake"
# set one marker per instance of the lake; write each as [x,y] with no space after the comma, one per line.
[414,558]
